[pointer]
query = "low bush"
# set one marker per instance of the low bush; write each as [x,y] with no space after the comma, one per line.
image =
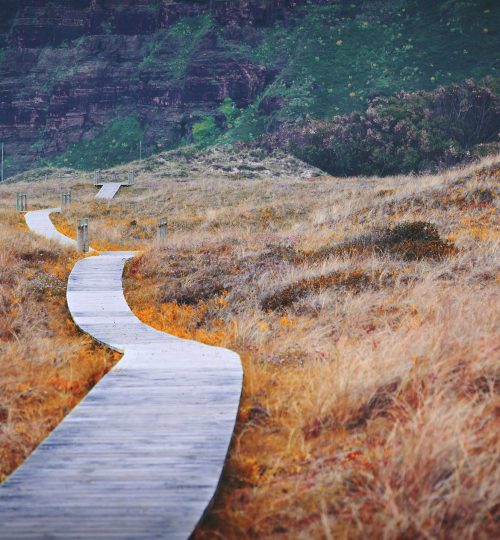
[411,241]
[283,298]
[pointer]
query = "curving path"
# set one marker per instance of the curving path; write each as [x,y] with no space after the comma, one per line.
[142,454]
[39,222]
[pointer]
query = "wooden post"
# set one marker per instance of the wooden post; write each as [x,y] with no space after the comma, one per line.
[97,178]
[65,200]
[162,229]
[82,236]
[131,178]
[21,202]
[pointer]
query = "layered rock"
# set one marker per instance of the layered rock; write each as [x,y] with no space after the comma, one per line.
[69,67]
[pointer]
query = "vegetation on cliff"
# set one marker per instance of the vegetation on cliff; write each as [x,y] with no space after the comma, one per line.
[70,69]
[399,134]
[118,142]
[339,56]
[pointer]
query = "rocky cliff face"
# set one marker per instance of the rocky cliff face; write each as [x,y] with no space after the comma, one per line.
[78,77]
[70,67]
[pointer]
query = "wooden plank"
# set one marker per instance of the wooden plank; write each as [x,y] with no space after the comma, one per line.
[109,190]
[142,454]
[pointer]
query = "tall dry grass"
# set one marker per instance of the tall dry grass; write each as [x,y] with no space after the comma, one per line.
[370,347]
[46,364]
[370,405]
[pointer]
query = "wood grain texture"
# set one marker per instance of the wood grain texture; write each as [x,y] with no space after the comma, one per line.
[141,456]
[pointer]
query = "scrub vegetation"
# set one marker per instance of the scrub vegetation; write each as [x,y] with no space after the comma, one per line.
[365,312]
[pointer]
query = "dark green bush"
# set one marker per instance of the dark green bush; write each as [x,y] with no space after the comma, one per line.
[405,133]
[409,240]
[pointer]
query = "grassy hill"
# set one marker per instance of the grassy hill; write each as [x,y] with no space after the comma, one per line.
[364,311]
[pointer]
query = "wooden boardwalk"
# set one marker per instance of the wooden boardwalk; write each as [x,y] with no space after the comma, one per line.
[141,456]
[109,190]
[39,222]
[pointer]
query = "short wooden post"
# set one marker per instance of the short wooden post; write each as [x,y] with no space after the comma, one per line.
[82,236]
[131,178]
[21,202]
[65,200]
[162,229]
[97,178]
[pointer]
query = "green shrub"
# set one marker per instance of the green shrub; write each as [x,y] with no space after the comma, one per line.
[230,111]
[117,143]
[205,132]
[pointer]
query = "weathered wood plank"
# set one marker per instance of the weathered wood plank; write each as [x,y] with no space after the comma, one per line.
[142,454]
[109,190]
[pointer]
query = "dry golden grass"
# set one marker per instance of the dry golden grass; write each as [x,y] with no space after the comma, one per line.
[46,364]
[370,405]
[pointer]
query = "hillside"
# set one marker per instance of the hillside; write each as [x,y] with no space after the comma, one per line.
[83,81]
[365,312]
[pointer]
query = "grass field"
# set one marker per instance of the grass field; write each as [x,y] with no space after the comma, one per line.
[365,311]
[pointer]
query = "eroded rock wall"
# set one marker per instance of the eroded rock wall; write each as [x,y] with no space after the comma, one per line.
[70,67]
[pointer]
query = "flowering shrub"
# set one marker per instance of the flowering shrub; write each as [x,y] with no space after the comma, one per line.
[399,134]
